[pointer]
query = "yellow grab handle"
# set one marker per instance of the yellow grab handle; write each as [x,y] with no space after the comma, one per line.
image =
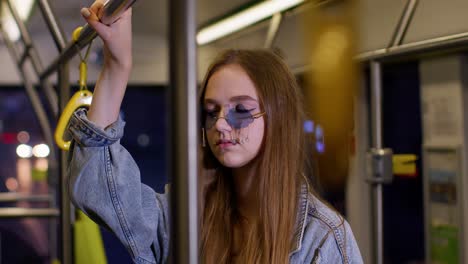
[76,33]
[81,98]
[83,74]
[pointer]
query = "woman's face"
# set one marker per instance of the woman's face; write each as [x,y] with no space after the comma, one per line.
[234,123]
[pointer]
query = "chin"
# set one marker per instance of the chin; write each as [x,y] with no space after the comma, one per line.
[231,161]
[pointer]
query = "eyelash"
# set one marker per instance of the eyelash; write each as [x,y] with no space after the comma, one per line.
[239,108]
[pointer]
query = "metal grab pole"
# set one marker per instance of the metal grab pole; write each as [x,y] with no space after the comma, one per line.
[273,28]
[184,131]
[18,212]
[66,208]
[377,143]
[403,23]
[439,45]
[66,216]
[112,10]
[54,28]
[381,158]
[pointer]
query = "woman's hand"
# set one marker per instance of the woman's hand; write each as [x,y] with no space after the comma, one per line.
[117,37]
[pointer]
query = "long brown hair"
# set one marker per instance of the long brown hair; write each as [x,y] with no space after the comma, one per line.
[280,164]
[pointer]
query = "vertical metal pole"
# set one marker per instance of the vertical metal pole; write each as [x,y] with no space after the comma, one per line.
[275,23]
[66,208]
[377,143]
[59,189]
[54,28]
[184,131]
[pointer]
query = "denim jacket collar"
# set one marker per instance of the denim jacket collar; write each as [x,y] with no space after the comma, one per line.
[303,210]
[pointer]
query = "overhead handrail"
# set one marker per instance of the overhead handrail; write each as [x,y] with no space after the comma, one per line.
[444,44]
[111,11]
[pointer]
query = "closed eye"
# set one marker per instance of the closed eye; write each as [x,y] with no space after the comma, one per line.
[242,109]
[212,113]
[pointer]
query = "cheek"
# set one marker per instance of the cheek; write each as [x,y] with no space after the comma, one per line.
[210,135]
[256,134]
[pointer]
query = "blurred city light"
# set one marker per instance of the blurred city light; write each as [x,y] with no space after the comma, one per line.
[23,137]
[309,126]
[24,151]
[41,151]
[41,164]
[11,184]
[143,140]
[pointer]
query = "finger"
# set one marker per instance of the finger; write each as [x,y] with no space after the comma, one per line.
[93,21]
[88,14]
[98,4]
[97,7]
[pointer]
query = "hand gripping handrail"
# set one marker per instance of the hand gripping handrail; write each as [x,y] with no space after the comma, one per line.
[112,11]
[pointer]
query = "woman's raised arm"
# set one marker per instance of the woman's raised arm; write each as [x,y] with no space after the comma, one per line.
[110,87]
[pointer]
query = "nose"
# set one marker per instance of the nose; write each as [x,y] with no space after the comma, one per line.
[221,122]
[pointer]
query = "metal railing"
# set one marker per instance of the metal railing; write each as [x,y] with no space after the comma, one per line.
[17,197]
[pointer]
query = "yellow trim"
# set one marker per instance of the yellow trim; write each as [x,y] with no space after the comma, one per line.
[404,164]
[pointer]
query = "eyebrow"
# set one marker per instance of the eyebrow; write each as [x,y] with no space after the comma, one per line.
[232,99]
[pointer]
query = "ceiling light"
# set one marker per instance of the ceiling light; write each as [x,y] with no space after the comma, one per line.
[244,19]
[23,7]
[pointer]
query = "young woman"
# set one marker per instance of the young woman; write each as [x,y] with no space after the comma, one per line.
[257,205]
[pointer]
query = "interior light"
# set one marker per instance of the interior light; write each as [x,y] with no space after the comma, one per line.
[23,137]
[23,7]
[41,151]
[309,126]
[243,19]
[11,184]
[24,151]
[41,164]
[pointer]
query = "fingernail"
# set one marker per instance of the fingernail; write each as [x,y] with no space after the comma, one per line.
[85,12]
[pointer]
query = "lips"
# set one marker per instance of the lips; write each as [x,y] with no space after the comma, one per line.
[225,143]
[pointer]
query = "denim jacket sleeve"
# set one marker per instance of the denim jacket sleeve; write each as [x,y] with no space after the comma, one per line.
[105,184]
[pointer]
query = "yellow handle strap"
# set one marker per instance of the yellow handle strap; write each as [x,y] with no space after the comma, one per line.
[80,99]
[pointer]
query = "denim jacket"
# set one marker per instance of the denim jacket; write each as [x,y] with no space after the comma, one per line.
[105,184]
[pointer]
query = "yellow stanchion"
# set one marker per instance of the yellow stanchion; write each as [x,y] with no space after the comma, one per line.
[330,88]
[88,246]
